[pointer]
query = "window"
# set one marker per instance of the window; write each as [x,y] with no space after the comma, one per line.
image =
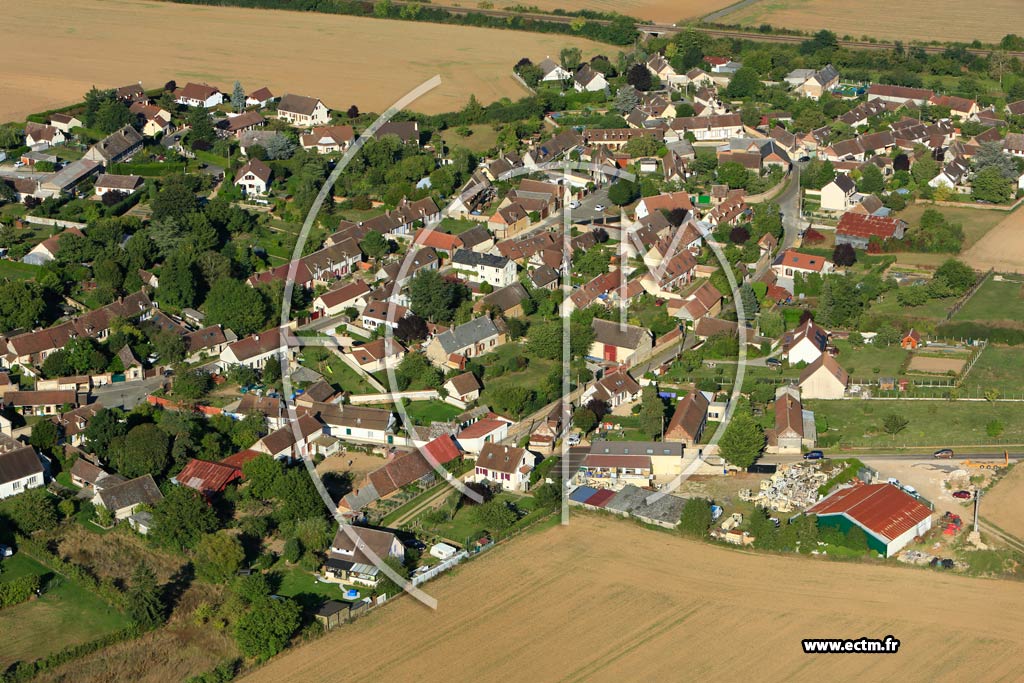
[16,486]
[31,480]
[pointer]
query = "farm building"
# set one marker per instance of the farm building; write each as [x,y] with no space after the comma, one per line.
[890,517]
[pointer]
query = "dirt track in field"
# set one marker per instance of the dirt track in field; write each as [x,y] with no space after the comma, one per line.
[603,600]
[52,57]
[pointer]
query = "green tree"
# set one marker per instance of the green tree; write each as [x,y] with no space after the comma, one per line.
[112,115]
[201,132]
[315,533]
[297,497]
[265,629]
[772,324]
[262,474]
[414,370]
[733,174]
[385,584]
[496,515]
[924,169]
[433,297]
[237,306]
[626,99]
[623,192]
[218,557]
[584,419]
[178,282]
[695,519]
[238,97]
[34,510]
[145,449]
[546,496]
[744,83]
[143,603]
[182,518]
[743,440]
[106,425]
[374,245]
[44,435]
[22,304]
[871,180]
[957,275]
[192,385]
[990,185]
[894,423]
[652,412]
[570,58]
[991,155]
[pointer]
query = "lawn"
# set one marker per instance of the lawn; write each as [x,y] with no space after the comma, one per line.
[465,526]
[481,138]
[1000,368]
[302,585]
[341,376]
[66,615]
[995,301]
[862,362]
[933,309]
[975,222]
[532,377]
[425,412]
[16,270]
[932,424]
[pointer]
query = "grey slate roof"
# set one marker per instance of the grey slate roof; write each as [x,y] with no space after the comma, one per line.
[466,334]
[19,462]
[465,257]
[132,492]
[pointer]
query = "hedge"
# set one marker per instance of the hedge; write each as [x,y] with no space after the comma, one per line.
[18,590]
[27,670]
[974,330]
[105,589]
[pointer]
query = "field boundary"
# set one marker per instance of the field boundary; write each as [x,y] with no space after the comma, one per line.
[962,301]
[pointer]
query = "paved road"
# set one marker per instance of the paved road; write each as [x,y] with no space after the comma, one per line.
[899,456]
[127,395]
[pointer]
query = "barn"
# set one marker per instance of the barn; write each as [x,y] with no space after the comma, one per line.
[890,517]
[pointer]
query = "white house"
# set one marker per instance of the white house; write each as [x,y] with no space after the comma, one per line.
[805,344]
[824,379]
[791,262]
[126,184]
[198,95]
[299,110]
[496,270]
[355,552]
[379,313]
[487,430]
[20,467]
[255,350]
[40,134]
[552,70]
[587,79]
[839,195]
[506,465]
[254,177]
[259,98]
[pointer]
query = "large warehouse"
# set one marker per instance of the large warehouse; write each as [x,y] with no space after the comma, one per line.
[890,517]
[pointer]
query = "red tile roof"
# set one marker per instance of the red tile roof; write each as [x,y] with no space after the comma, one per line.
[883,508]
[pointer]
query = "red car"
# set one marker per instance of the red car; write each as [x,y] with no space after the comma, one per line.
[965,495]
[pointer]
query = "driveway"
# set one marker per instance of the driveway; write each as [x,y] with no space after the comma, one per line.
[127,395]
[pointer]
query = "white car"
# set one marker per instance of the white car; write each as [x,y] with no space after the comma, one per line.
[573,440]
[600,207]
[574,204]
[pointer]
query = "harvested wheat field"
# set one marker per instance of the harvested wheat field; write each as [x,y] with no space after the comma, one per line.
[986,20]
[1001,248]
[660,11]
[1004,504]
[602,599]
[931,364]
[341,60]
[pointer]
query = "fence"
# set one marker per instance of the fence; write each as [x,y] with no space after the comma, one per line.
[420,579]
[962,301]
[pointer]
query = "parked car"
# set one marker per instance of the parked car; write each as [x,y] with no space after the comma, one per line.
[415,544]
[773,362]
[813,455]
[909,489]
[804,158]
[573,440]
[943,453]
[600,207]
[963,495]
[6,551]
[574,204]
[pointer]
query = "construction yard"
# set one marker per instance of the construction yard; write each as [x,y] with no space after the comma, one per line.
[650,605]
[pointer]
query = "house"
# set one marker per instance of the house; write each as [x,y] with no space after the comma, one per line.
[41,134]
[792,262]
[119,146]
[125,184]
[291,441]
[209,478]
[960,108]
[207,341]
[418,467]
[468,340]
[256,350]
[236,124]
[379,313]
[668,201]
[911,340]
[299,110]
[890,517]
[321,267]
[714,127]
[858,229]
[497,271]
[508,466]
[47,250]
[155,120]
[464,388]
[65,122]
[379,354]
[794,427]
[123,498]
[659,66]
[488,430]
[839,195]
[613,389]
[357,552]
[689,419]
[328,139]
[705,300]
[805,344]
[254,178]
[131,366]
[614,464]
[85,474]
[954,175]
[587,79]
[899,94]
[618,343]
[544,277]
[552,71]
[259,98]
[356,423]
[20,467]
[508,300]
[198,95]
[40,402]
[823,379]
[406,131]
[819,83]
[335,301]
